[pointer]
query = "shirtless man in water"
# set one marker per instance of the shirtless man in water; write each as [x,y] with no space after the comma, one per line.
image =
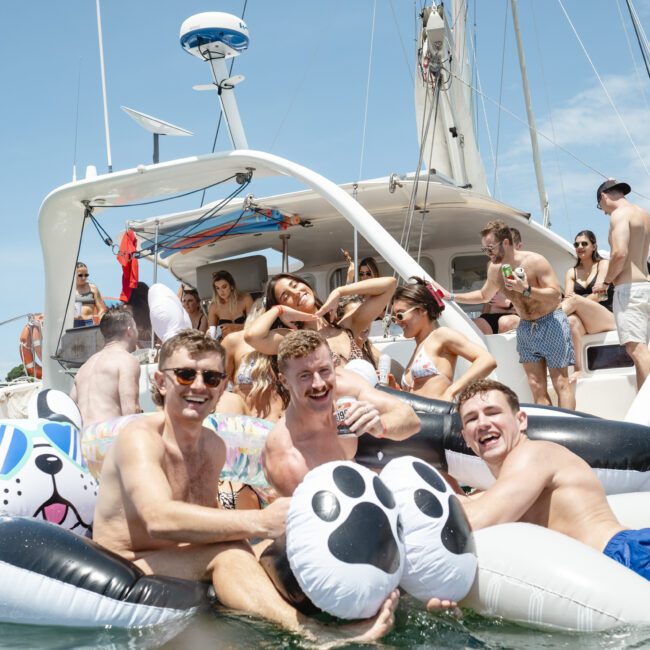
[107,385]
[157,501]
[307,434]
[537,482]
[629,240]
[543,333]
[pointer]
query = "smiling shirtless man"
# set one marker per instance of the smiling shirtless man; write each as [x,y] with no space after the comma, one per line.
[157,501]
[307,434]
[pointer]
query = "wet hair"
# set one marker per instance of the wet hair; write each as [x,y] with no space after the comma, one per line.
[196,343]
[115,322]
[234,293]
[419,293]
[297,345]
[595,255]
[139,304]
[482,386]
[516,236]
[499,229]
[372,265]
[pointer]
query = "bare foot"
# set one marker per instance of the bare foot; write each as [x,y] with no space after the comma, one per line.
[437,605]
[372,629]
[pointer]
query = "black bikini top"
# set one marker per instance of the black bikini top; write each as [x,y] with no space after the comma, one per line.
[238,321]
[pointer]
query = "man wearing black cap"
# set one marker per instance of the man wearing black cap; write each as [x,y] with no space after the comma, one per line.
[629,240]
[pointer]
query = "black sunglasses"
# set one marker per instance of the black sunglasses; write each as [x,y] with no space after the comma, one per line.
[186,376]
[82,275]
[580,244]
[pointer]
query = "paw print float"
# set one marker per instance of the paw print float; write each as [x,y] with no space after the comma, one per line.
[440,558]
[344,539]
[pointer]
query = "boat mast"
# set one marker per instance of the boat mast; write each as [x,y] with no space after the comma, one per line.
[103,74]
[541,189]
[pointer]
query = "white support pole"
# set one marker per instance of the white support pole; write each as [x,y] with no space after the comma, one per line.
[103,75]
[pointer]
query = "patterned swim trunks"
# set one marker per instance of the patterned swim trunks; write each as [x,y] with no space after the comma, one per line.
[631,548]
[548,338]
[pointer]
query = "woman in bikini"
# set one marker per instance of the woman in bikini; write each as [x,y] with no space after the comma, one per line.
[192,304]
[430,370]
[587,311]
[292,303]
[89,305]
[229,307]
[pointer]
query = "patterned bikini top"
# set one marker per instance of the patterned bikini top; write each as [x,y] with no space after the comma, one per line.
[355,352]
[421,367]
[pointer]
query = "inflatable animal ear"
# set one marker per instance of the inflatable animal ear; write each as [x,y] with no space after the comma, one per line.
[166,311]
[343,540]
[54,405]
[438,544]
[43,474]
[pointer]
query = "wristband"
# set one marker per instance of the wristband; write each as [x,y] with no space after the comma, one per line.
[452,297]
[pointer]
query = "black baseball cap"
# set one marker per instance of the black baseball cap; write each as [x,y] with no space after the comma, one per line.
[611,184]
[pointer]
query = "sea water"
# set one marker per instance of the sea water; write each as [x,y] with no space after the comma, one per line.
[415,628]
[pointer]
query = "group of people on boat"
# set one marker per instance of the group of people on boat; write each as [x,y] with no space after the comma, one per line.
[290,356]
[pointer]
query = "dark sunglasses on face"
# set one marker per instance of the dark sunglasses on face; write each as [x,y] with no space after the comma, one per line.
[365,274]
[186,376]
[488,249]
[580,244]
[82,275]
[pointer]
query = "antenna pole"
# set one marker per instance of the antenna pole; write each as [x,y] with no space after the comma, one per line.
[541,189]
[103,75]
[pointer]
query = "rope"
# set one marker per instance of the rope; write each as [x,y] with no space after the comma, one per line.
[365,111]
[640,35]
[632,57]
[545,137]
[593,67]
[401,42]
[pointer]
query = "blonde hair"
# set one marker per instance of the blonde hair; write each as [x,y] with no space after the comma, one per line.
[234,293]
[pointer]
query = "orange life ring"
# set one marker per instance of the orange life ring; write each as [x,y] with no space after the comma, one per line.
[30,347]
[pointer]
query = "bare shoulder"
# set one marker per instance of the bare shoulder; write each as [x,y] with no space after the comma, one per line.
[143,435]
[536,455]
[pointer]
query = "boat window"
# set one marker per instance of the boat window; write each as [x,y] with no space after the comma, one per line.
[468,273]
[603,357]
[309,279]
[338,276]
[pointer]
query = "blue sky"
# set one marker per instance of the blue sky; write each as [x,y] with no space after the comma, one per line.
[303,98]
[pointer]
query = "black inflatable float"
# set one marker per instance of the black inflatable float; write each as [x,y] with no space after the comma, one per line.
[619,452]
[51,576]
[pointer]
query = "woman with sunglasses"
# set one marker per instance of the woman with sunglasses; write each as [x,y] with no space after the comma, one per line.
[291,303]
[430,371]
[89,306]
[367,268]
[588,312]
[229,306]
[192,305]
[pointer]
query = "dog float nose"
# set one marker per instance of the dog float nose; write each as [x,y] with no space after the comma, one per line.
[49,464]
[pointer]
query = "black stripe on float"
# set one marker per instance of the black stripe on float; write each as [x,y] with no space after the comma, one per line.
[52,551]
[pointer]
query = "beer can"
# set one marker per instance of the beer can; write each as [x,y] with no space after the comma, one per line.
[520,273]
[506,270]
[340,413]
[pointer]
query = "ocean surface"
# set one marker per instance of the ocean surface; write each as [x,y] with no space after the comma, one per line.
[415,628]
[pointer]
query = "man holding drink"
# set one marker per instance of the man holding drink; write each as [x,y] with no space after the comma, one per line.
[543,334]
[308,435]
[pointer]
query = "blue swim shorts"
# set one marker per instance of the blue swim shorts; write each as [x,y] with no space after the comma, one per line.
[631,548]
[548,338]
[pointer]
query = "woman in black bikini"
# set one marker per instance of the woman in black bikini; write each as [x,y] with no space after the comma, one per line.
[229,307]
[192,304]
[291,303]
[587,313]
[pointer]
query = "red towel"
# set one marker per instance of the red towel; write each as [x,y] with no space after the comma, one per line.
[129,264]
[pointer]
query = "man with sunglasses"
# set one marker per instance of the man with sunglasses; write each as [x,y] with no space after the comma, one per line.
[629,240]
[107,385]
[543,333]
[157,504]
[307,436]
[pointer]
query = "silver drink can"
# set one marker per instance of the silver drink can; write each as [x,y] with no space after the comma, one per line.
[340,413]
[520,273]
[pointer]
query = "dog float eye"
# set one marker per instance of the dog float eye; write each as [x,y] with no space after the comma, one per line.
[66,439]
[13,448]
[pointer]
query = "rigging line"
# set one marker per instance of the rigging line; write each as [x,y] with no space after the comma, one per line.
[426,194]
[401,42]
[495,187]
[216,135]
[593,67]
[629,47]
[550,113]
[76,125]
[642,42]
[170,198]
[365,110]
[545,137]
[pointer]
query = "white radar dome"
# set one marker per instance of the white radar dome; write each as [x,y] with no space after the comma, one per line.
[214,34]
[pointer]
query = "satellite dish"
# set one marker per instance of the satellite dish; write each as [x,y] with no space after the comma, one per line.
[156,126]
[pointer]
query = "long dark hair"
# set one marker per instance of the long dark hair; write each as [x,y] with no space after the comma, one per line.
[420,293]
[372,265]
[595,255]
